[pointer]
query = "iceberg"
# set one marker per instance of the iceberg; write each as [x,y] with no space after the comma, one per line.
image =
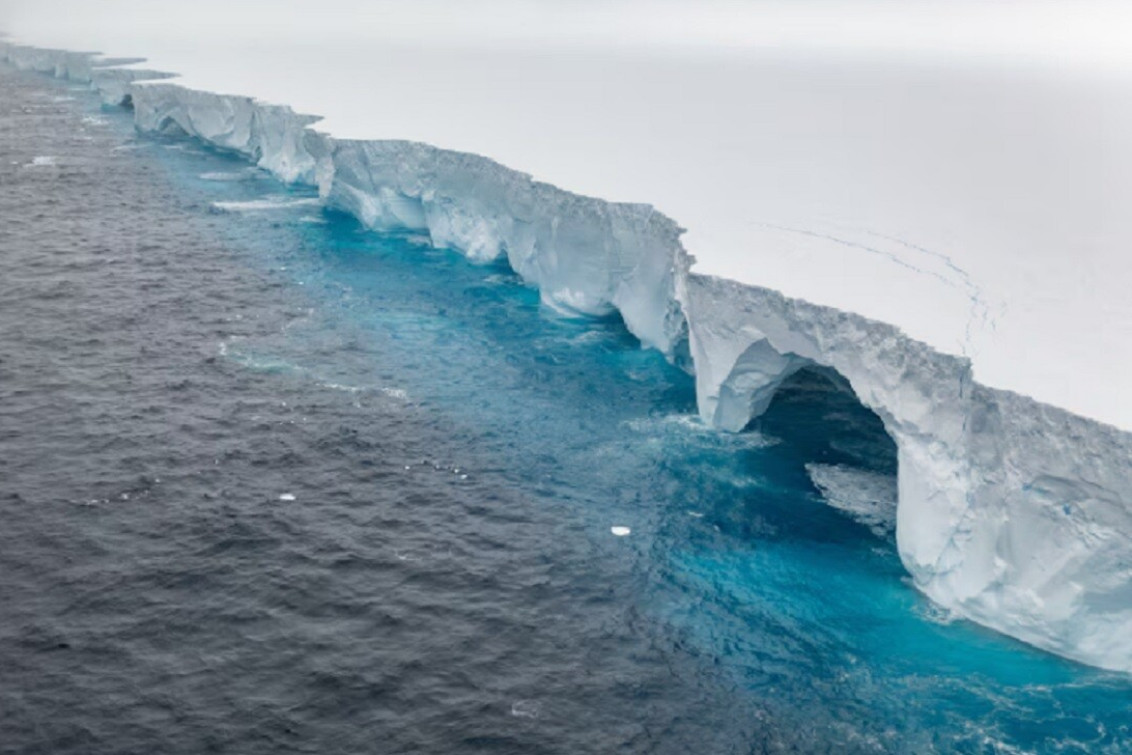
[1011,512]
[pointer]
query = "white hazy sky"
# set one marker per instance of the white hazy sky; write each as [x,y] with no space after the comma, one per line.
[1093,32]
[960,169]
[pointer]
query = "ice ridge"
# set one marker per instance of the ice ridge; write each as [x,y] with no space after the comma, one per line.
[1013,513]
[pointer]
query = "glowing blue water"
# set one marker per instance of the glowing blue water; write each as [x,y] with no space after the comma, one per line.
[742,613]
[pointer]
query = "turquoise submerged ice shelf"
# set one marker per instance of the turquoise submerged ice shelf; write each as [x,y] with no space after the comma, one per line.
[1011,513]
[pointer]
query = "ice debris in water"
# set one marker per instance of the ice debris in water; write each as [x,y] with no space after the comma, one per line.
[868,497]
[237,175]
[287,497]
[44,160]
[620,531]
[265,204]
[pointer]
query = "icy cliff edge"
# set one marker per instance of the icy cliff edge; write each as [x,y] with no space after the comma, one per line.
[1012,513]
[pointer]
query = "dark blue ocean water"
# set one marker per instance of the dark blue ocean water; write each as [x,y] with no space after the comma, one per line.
[272,483]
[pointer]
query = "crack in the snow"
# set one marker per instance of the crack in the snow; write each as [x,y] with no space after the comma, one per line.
[980,311]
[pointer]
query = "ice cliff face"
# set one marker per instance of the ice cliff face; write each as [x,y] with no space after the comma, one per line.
[1012,513]
[271,136]
[113,84]
[585,255]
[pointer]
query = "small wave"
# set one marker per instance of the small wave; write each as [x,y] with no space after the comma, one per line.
[397,393]
[419,239]
[93,120]
[691,429]
[283,366]
[588,338]
[40,161]
[526,709]
[937,614]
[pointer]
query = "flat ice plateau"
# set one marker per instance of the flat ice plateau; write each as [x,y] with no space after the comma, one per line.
[945,228]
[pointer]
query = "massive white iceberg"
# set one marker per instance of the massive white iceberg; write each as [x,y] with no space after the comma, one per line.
[1011,512]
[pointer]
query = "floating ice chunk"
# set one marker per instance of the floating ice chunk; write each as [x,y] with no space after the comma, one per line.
[265,204]
[620,531]
[234,175]
[40,161]
[868,497]
[287,497]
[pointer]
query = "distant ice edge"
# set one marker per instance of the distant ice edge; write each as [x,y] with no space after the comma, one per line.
[1011,512]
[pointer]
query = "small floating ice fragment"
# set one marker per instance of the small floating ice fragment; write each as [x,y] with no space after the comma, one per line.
[266,204]
[236,175]
[43,160]
[287,497]
[620,531]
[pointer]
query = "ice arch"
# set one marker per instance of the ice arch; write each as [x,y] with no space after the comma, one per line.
[1011,512]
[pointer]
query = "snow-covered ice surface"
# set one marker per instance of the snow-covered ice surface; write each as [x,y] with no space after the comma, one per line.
[936,216]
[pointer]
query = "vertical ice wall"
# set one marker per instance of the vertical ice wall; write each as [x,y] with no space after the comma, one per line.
[1013,513]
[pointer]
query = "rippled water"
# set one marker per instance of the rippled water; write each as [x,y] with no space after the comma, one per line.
[269,482]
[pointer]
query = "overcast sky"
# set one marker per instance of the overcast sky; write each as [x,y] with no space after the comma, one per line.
[1076,33]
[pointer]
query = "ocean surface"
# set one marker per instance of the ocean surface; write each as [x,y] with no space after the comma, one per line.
[270,483]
